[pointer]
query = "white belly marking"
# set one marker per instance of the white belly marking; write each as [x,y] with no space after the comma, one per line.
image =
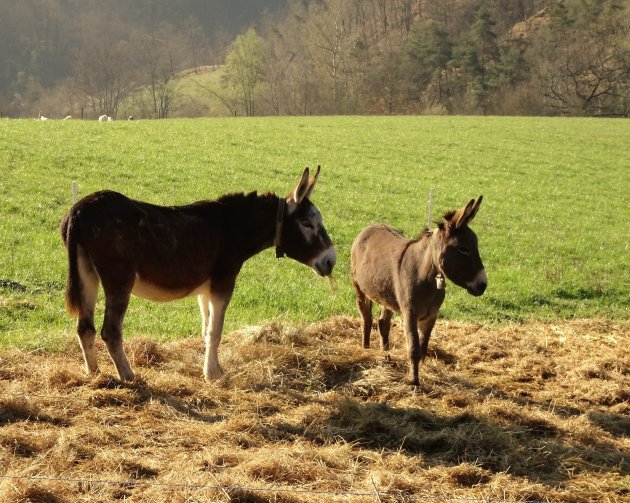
[150,291]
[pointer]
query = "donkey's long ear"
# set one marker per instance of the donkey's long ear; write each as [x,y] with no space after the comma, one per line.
[301,189]
[463,216]
[460,217]
[312,182]
[474,210]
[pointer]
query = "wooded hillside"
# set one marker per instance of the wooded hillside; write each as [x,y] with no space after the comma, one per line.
[556,57]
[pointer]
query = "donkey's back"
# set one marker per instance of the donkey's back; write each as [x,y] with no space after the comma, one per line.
[125,241]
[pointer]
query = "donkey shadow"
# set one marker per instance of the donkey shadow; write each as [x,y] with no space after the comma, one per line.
[524,447]
[139,392]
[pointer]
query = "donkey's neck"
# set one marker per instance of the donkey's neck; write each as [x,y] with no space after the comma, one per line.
[424,254]
[251,221]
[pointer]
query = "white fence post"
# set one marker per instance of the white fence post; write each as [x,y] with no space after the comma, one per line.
[431,194]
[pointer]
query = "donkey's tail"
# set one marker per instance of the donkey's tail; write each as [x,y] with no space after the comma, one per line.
[73,284]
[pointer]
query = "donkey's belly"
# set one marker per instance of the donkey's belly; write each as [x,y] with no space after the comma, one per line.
[384,298]
[379,286]
[151,291]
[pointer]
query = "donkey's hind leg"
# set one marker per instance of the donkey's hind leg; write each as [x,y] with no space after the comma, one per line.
[115,309]
[384,325]
[364,303]
[85,325]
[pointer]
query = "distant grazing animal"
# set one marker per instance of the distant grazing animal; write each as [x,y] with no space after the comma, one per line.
[67,117]
[109,119]
[164,253]
[42,118]
[407,276]
[130,118]
[103,118]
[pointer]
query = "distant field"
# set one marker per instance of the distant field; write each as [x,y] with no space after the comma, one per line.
[552,228]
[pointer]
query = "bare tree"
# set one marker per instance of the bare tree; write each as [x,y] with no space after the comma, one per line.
[586,65]
[103,74]
[196,42]
[329,29]
[159,58]
[275,62]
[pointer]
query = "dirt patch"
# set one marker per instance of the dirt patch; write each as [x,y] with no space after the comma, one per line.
[523,412]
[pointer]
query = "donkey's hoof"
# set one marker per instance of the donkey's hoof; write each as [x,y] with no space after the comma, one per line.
[92,372]
[127,376]
[213,374]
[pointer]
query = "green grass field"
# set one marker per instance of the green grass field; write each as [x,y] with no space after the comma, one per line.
[552,228]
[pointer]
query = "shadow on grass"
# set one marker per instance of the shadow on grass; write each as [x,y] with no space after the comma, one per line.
[617,425]
[13,410]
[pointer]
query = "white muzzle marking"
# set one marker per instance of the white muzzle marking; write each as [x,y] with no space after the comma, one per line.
[324,262]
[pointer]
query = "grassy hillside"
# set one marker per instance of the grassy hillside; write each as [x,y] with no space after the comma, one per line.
[551,228]
[191,94]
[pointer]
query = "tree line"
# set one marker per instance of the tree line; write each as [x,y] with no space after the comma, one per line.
[557,57]
[111,57]
[568,57]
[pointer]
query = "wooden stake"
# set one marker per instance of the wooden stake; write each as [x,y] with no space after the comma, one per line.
[431,194]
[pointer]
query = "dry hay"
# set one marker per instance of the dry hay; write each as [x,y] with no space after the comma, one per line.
[520,413]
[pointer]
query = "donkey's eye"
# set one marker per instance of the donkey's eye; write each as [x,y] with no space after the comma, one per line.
[463,250]
[307,223]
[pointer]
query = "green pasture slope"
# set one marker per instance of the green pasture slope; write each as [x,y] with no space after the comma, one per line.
[553,227]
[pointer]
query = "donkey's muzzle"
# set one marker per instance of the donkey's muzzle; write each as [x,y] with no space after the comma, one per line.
[478,285]
[325,262]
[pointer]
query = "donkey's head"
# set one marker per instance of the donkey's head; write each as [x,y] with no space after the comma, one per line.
[458,252]
[302,235]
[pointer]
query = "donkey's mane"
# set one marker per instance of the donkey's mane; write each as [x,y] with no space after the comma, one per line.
[425,232]
[240,197]
[446,218]
[237,201]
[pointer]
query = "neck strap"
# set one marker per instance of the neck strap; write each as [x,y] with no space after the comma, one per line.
[435,258]
[279,221]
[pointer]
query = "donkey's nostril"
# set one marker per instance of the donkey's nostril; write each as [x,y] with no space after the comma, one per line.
[325,262]
[477,289]
[328,266]
[479,284]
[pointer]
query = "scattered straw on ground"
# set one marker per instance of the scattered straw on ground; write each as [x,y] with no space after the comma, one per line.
[520,413]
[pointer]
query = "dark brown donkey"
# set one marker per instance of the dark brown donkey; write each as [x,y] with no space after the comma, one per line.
[165,253]
[407,276]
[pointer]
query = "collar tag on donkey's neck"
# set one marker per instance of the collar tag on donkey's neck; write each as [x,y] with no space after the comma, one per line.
[439,281]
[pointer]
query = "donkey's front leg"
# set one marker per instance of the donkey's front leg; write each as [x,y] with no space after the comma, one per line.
[218,305]
[425,326]
[413,345]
